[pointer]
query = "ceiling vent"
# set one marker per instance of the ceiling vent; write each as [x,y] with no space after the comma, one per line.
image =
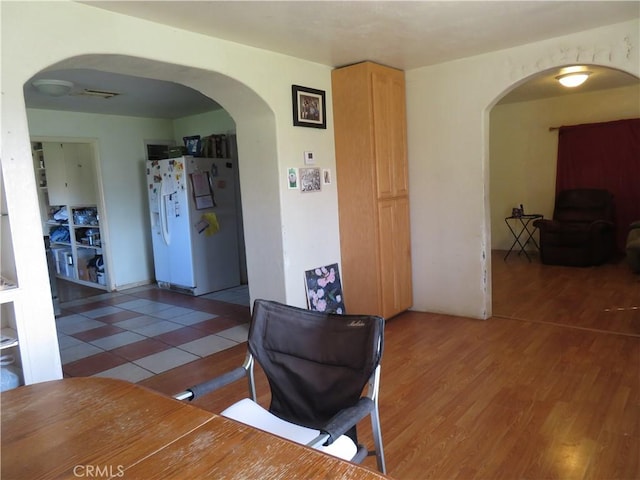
[89,92]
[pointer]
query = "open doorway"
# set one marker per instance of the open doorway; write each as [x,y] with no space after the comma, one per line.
[72,217]
[114,181]
[523,152]
[123,170]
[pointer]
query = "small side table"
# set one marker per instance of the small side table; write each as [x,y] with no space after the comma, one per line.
[519,226]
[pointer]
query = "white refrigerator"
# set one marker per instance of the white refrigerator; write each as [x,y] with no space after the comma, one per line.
[194,223]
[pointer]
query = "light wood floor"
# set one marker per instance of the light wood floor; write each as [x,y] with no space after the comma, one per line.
[549,388]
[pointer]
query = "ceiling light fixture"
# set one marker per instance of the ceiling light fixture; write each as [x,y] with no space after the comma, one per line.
[574,79]
[53,88]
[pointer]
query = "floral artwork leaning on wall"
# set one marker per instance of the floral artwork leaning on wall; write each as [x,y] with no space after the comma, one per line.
[324,289]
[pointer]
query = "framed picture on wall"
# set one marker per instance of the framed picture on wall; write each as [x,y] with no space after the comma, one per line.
[310,179]
[292,178]
[326,176]
[309,107]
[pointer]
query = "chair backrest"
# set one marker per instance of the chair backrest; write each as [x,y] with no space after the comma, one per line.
[584,205]
[316,363]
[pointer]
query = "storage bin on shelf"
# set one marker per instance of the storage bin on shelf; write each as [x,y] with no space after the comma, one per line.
[63,257]
[10,376]
[85,216]
[90,264]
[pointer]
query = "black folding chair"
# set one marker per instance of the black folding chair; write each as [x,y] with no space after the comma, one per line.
[317,365]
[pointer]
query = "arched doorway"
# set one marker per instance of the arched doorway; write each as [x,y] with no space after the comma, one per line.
[522,159]
[123,170]
[255,127]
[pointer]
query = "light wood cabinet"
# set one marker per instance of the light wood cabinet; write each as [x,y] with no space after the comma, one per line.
[389,133]
[371,172]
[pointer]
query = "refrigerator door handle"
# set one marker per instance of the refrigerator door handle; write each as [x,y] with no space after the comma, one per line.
[164,223]
[210,180]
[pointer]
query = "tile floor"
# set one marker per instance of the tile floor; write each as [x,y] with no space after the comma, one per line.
[137,333]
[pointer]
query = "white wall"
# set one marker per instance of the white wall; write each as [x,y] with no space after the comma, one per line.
[524,151]
[203,124]
[286,231]
[448,141]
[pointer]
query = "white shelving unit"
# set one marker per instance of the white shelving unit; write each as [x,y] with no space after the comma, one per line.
[26,307]
[40,170]
[9,291]
[76,245]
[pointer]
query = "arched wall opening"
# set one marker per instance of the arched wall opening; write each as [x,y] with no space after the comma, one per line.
[255,129]
[449,131]
[522,151]
[252,84]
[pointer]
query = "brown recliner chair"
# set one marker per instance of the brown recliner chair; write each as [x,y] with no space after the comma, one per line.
[633,247]
[582,232]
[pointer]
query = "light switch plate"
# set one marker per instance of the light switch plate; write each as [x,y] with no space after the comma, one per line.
[309,158]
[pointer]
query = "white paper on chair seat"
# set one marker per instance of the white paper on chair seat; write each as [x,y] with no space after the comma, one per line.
[249,412]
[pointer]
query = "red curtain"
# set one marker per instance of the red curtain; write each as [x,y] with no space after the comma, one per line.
[604,155]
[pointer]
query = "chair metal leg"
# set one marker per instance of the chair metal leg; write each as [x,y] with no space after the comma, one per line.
[374,385]
[377,440]
[248,366]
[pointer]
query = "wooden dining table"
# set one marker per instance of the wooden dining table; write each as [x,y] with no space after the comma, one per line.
[106,428]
